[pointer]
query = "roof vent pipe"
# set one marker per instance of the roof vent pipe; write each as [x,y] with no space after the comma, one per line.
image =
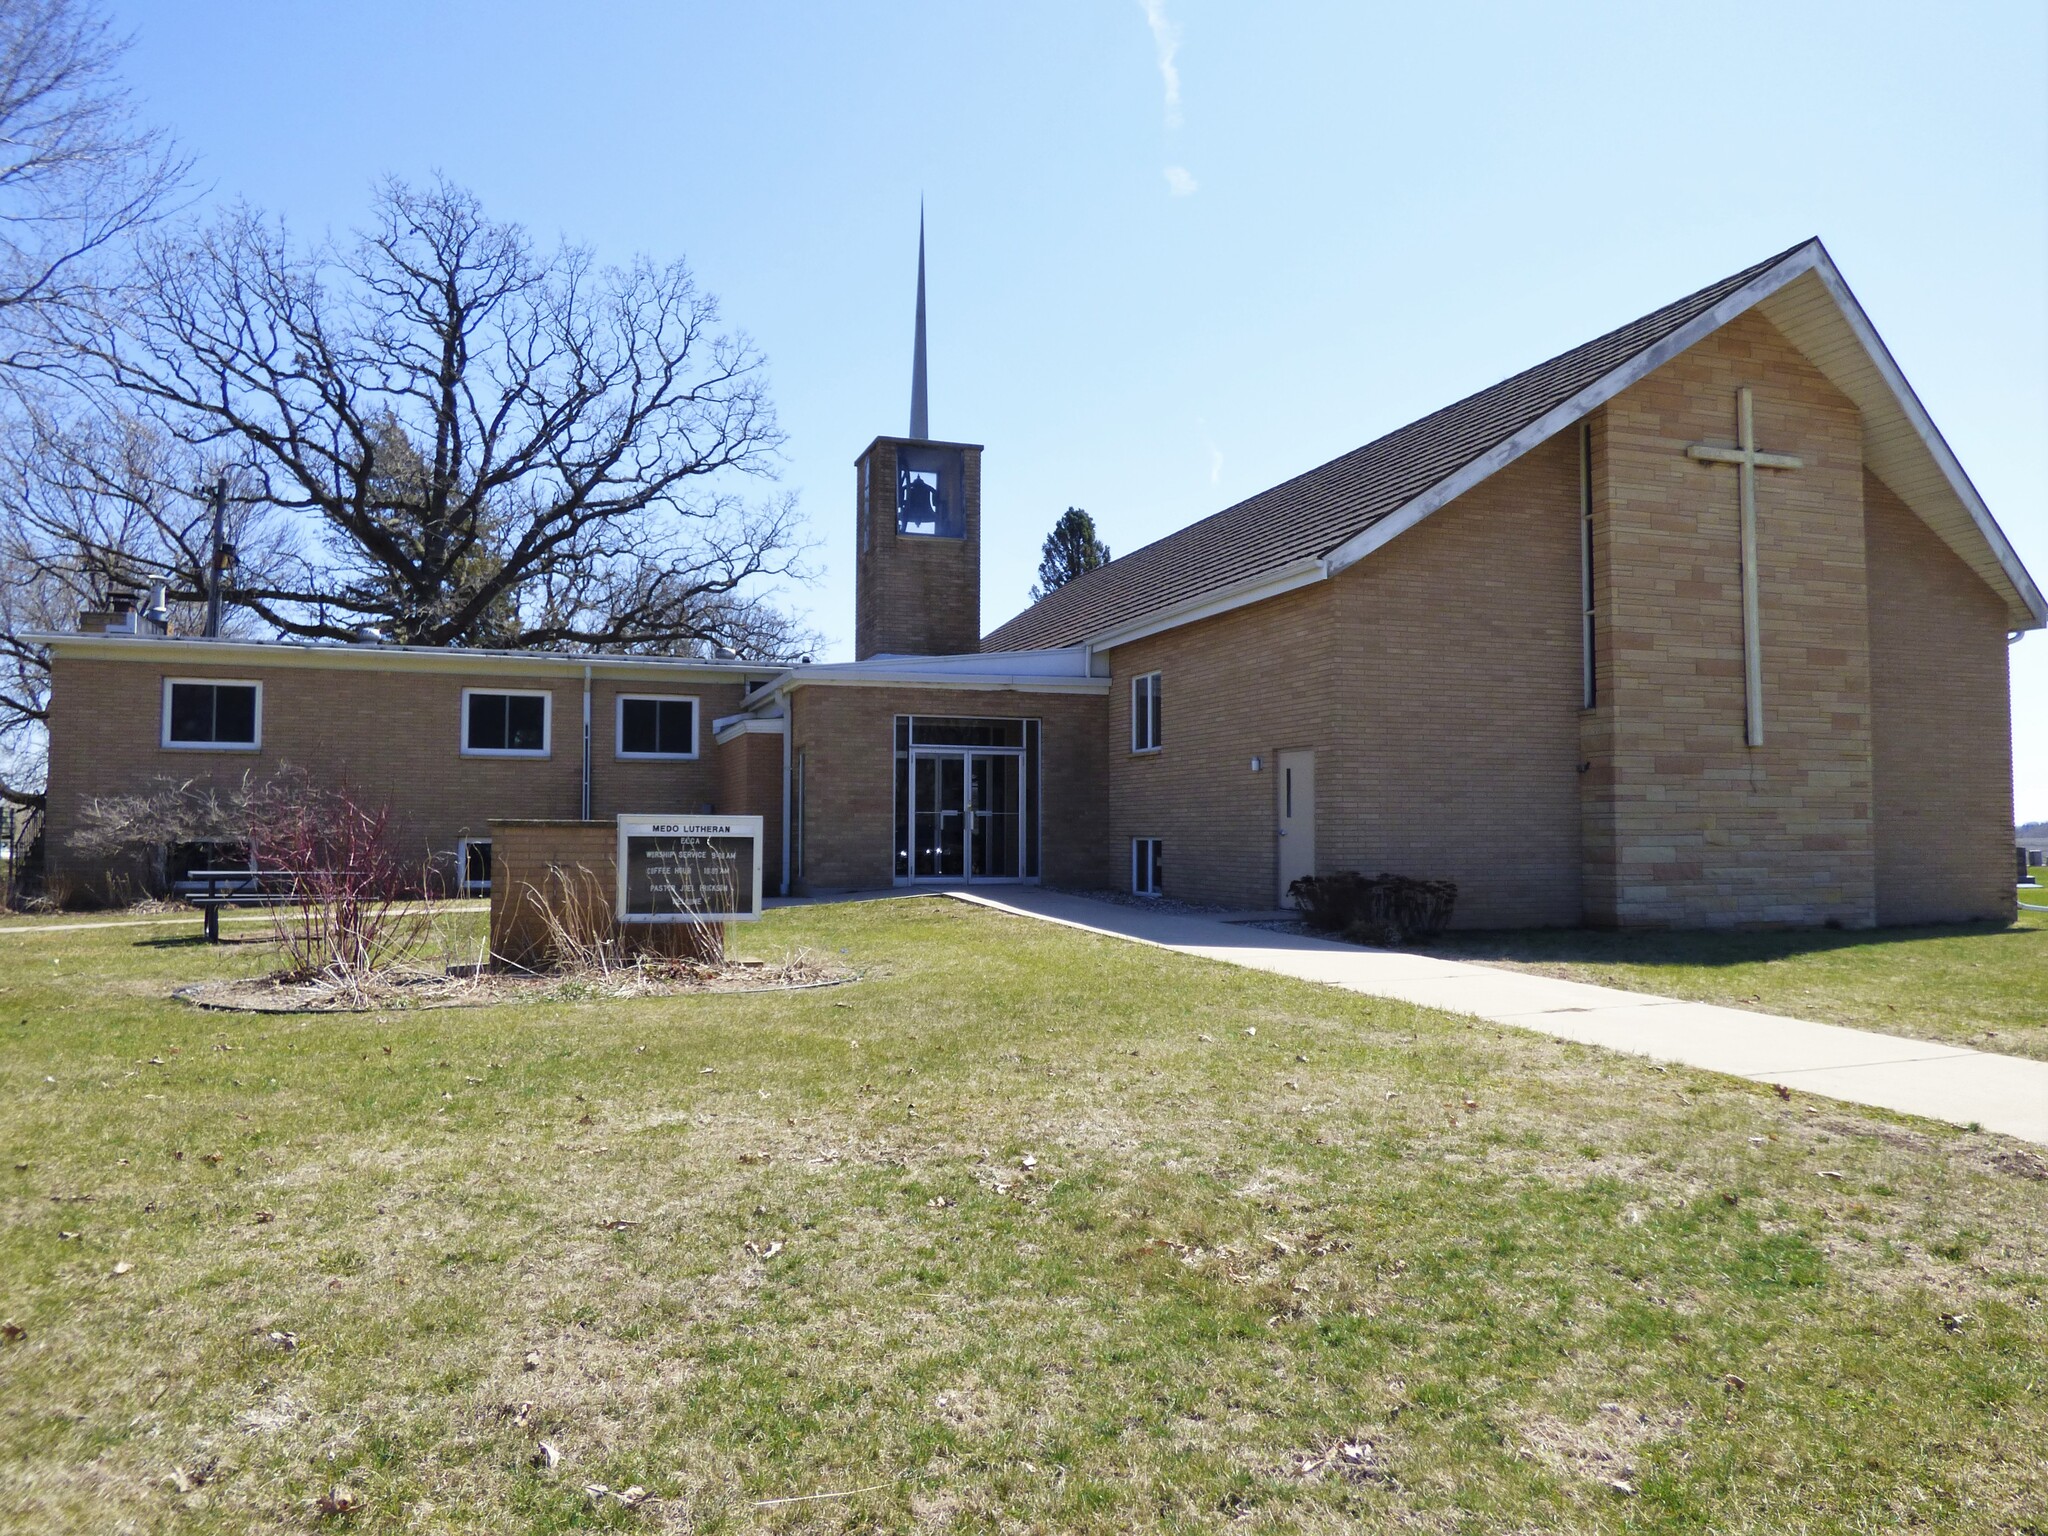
[158,613]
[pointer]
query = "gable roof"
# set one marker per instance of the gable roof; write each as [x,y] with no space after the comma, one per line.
[1314,525]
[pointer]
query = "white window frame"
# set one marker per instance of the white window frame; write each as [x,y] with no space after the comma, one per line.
[164,732]
[547,724]
[1141,862]
[1143,713]
[462,881]
[619,728]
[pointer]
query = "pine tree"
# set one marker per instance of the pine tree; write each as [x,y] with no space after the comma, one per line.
[1070,550]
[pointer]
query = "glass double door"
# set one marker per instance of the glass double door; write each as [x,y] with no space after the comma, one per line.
[967,815]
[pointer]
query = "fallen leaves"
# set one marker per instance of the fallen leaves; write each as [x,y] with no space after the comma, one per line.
[339,1500]
[12,1332]
[632,1497]
[283,1339]
[545,1457]
[760,1251]
[532,1361]
[1952,1322]
[122,1267]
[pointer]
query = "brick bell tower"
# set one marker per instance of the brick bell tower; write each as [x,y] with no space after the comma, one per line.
[917,566]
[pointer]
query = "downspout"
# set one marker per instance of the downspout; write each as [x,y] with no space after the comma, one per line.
[788,728]
[586,743]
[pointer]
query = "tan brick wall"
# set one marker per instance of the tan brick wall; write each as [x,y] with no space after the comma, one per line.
[533,865]
[915,595]
[1687,824]
[1942,728]
[393,737]
[1437,682]
[845,738]
[750,784]
[550,874]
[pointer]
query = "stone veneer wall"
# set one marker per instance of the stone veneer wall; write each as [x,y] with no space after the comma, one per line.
[1941,725]
[1685,824]
[845,742]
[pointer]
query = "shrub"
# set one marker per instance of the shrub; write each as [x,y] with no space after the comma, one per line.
[1383,909]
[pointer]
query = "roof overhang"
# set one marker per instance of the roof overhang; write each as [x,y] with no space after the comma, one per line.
[189,651]
[1063,669]
[1806,299]
[1239,594]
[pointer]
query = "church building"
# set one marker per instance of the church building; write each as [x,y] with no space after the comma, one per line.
[1698,624]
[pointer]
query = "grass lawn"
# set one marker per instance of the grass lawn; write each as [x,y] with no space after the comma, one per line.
[1974,984]
[1029,1230]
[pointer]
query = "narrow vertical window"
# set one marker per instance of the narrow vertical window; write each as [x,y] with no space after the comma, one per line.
[1589,684]
[1145,714]
[1148,866]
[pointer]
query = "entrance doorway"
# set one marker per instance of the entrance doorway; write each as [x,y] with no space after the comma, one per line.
[1296,788]
[967,815]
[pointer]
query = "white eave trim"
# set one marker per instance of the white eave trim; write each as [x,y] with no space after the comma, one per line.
[1808,258]
[959,682]
[1254,589]
[1930,437]
[732,727]
[386,658]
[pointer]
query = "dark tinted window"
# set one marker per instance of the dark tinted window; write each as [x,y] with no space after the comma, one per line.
[527,722]
[658,727]
[507,722]
[221,714]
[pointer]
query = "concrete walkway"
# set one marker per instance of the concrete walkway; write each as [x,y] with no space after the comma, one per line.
[2007,1094]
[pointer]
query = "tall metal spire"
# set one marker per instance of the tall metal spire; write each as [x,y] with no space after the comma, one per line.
[920,415]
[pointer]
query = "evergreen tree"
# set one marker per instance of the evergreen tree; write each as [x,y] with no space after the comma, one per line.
[1070,550]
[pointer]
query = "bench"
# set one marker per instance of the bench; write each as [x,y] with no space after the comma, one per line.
[211,889]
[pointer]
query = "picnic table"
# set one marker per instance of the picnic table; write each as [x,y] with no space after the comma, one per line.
[211,889]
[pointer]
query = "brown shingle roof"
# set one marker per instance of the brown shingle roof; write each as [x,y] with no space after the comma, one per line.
[1313,513]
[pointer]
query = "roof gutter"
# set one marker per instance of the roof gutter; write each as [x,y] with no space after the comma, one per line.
[1253,589]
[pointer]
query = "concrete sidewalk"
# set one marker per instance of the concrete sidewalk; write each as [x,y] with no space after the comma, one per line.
[2007,1094]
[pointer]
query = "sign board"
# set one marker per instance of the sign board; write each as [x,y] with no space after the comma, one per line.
[689,869]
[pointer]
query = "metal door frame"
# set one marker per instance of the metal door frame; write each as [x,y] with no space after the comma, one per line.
[920,755]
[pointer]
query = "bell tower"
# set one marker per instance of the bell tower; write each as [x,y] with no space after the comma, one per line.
[917,563]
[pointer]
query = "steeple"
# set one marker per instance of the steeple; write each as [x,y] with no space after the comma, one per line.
[920,416]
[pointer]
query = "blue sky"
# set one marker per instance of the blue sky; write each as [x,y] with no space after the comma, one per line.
[1182,250]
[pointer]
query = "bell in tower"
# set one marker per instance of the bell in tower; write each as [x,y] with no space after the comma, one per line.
[917,571]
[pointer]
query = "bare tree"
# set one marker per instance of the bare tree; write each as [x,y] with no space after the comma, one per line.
[91,507]
[469,442]
[77,174]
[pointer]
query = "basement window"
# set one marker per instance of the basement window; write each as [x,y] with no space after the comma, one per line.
[474,854]
[201,715]
[506,724]
[1145,717]
[1148,866]
[657,726]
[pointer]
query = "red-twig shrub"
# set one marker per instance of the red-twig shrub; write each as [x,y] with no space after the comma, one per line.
[355,905]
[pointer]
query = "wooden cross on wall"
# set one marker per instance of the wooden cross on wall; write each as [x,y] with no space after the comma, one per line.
[1747,461]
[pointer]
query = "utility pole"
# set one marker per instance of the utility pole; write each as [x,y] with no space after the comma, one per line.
[216,565]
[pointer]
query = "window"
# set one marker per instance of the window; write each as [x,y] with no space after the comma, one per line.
[475,856]
[205,716]
[654,726]
[1145,713]
[1148,866]
[505,724]
[928,500]
[1590,690]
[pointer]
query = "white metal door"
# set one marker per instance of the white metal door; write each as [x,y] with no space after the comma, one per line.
[1296,789]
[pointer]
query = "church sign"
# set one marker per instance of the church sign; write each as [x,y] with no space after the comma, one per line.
[689,869]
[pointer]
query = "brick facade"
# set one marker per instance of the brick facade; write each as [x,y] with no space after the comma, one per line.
[392,736]
[1437,682]
[914,595]
[552,878]
[843,744]
[1941,725]
[1686,823]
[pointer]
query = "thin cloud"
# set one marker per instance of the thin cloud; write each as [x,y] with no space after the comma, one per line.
[1166,45]
[1179,182]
